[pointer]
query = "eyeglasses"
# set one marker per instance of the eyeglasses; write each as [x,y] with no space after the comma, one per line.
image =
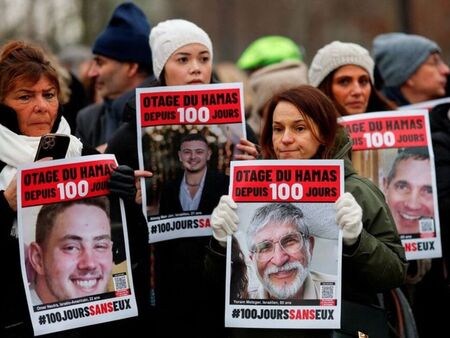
[291,243]
[435,60]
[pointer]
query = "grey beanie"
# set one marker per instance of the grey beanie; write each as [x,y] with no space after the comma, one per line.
[398,55]
[335,55]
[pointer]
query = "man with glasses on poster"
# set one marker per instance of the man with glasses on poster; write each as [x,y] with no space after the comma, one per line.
[281,249]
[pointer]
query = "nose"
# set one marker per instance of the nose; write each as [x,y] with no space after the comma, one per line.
[93,70]
[41,104]
[86,260]
[413,201]
[445,70]
[195,66]
[356,88]
[287,137]
[280,257]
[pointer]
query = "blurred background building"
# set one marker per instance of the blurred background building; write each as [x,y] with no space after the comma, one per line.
[233,24]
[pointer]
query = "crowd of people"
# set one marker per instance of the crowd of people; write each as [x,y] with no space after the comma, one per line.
[293,114]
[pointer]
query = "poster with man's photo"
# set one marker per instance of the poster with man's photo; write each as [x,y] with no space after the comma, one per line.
[284,261]
[394,150]
[187,136]
[73,244]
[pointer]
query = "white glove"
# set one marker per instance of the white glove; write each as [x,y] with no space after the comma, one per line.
[224,219]
[349,217]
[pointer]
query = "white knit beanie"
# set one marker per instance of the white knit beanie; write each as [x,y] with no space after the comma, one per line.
[167,36]
[335,55]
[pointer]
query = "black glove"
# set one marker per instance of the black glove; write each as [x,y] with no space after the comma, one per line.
[122,183]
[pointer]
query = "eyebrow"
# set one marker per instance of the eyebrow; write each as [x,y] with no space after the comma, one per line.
[25,90]
[294,121]
[187,53]
[194,149]
[182,54]
[78,238]
[351,76]
[401,181]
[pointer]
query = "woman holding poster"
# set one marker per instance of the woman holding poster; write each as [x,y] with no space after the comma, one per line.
[301,124]
[29,108]
[182,54]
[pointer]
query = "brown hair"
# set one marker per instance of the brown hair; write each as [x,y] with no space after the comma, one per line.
[239,276]
[314,107]
[47,215]
[20,61]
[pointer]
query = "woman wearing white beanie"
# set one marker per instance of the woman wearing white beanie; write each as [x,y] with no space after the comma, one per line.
[344,72]
[182,54]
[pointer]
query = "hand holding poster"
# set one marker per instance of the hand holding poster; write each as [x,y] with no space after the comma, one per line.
[187,136]
[394,150]
[71,272]
[284,261]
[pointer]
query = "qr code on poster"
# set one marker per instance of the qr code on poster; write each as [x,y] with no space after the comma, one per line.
[426,225]
[120,282]
[327,290]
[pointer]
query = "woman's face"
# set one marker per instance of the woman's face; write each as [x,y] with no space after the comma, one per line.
[351,88]
[36,106]
[292,136]
[190,64]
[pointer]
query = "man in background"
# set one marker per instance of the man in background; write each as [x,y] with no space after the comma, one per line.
[122,62]
[411,68]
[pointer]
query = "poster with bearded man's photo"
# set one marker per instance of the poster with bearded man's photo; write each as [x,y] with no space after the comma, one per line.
[284,261]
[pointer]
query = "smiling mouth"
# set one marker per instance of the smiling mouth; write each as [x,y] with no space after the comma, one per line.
[284,273]
[409,217]
[86,284]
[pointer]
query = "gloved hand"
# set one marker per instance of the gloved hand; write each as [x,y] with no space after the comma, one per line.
[349,217]
[224,219]
[122,181]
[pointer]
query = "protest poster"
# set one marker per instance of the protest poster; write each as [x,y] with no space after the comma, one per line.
[394,150]
[74,253]
[284,261]
[186,138]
